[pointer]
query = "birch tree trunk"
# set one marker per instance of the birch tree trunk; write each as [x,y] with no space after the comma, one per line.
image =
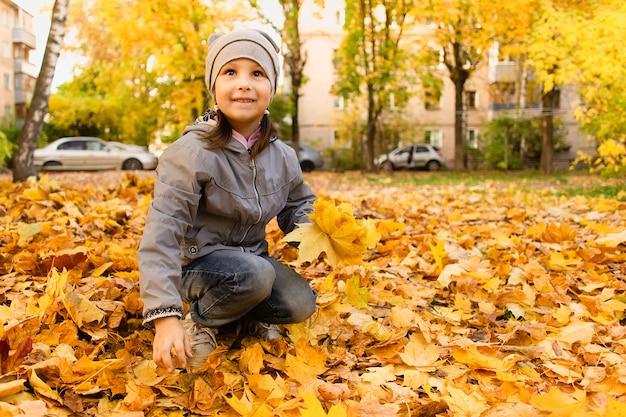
[27,142]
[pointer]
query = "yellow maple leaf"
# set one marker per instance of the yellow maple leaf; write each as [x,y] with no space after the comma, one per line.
[268,388]
[445,275]
[81,309]
[560,404]
[463,404]
[307,364]
[335,232]
[478,360]
[314,407]
[27,231]
[56,283]
[251,360]
[41,387]
[34,194]
[12,387]
[138,397]
[355,294]
[9,410]
[373,233]
[248,405]
[560,261]
[615,408]
[419,353]
[439,253]
[575,331]
[612,240]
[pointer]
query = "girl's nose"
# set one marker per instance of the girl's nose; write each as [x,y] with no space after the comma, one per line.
[244,84]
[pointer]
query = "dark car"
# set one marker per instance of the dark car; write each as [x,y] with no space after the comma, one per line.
[310,158]
[415,156]
[91,153]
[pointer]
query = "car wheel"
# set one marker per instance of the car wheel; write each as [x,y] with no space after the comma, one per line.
[433,166]
[51,164]
[307,166]
[132,165]
[387,166]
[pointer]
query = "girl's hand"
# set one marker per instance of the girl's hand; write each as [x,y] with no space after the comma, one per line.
[170,337]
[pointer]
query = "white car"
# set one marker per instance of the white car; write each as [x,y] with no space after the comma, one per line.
[415,156]
[91,153]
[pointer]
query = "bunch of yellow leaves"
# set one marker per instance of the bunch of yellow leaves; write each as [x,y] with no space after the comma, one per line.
[335,232]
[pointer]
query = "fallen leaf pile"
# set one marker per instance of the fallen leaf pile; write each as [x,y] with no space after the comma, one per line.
[488,300]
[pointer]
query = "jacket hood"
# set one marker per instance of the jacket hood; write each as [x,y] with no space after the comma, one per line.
[202,124]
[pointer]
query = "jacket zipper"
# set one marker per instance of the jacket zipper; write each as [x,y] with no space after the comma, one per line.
[258,199]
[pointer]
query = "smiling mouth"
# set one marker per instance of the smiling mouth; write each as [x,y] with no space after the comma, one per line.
[243,100]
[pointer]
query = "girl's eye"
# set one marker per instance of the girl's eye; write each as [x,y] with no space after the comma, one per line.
[258,73]
[229,72]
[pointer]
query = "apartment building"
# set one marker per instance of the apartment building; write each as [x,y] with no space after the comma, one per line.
[488,94]
[17,72]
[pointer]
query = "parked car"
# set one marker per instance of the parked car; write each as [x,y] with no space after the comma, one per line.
[415,156]
[310,158]
[91,153]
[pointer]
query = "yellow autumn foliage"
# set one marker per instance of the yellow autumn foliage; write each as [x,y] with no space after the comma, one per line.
[335,232]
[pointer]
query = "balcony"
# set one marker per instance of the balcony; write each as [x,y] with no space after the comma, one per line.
[22,66]
[502,72]
[24,36]
[22,96]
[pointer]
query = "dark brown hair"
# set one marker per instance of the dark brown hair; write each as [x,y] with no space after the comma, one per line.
[220,136]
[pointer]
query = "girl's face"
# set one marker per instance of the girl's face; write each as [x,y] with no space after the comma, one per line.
[243,92]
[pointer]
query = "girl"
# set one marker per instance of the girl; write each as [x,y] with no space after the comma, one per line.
[218,186]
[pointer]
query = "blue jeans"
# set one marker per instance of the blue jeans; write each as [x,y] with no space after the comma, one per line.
[227,285]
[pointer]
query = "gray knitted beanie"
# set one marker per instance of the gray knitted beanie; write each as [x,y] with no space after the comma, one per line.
[242,43]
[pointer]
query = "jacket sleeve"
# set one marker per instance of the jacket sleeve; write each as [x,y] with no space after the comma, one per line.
[299,204]
[177,193]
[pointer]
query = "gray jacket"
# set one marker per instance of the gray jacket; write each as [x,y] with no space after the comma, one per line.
[206,200]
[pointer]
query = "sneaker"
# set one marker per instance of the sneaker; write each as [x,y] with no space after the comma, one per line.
[203,341]
[263,330]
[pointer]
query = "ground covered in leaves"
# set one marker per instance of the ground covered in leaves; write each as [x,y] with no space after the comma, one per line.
[481,297]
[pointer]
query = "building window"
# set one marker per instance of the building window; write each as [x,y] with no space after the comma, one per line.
[433,90]
[7,82]
[6,50]
[335,59]
[338,103]
[7,111]
[339,18]
[471,100]
[433,137]
[472,139]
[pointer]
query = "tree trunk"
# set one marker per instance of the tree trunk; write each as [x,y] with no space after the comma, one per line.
[33,124]
[372,117]
[295,61]
[459,76]
[459,142]
[295,125]
[547,146]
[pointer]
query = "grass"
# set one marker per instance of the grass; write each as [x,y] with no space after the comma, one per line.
[565,183]
[617,192]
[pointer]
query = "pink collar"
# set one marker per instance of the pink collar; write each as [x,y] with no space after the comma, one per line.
[248,142]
